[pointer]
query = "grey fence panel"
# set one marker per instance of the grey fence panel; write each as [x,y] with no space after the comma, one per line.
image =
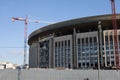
[52,74]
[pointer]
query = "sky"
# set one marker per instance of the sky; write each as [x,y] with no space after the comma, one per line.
[12,33]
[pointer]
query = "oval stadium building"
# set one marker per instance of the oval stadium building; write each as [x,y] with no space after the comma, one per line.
[75,44]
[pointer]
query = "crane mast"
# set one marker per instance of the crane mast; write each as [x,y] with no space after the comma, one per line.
[25,40]
[114,22]
[25,37]
[25,33]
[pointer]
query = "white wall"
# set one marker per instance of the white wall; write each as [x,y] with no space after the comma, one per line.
[50,74]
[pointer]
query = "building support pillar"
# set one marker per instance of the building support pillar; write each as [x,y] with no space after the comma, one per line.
[100,39]
[74,49]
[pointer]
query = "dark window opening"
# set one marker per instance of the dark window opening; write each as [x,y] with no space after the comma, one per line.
[111,39]
[62,43]
[106,38]
[91,65]
[86,40]
[79,65]
[68,42]
[55,44]
[65,42]
[95,39]
[96,65]
[78,41]
[90,39]
[83,64]
[87,64]
[112,63]
[59,44]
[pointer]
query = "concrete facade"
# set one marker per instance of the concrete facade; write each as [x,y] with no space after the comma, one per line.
[109,52]
[87,49]
[77,43]
[63,52]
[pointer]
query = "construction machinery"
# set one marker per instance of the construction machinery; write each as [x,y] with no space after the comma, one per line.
[26,20]
[114,21]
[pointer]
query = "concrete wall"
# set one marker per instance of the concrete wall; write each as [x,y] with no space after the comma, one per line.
[33,55]
[50,74]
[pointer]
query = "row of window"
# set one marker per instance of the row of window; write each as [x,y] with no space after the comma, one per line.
[62,43]
[111,37]
[62,53]
[87,40]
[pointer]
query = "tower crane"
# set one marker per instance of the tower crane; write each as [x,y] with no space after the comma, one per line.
[114,22]
[26,20]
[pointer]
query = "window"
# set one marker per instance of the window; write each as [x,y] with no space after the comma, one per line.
[111,39]
[95,39]
[111,46]
[112,52]
[90,39]
[106,38]
[65,43]
[82,41]
[55,44]
[112,57]
[108,59]
[59,44]
[107,52]
[68,42]
[62,43]
[78,41]
[86,40]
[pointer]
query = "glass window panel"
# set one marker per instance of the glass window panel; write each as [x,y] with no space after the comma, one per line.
[82,40]
[86,40]
[90,39]
[78,41]
[68,42]
[95,39]
[106,38]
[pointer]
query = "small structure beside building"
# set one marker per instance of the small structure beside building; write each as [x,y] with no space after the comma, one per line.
[8,65]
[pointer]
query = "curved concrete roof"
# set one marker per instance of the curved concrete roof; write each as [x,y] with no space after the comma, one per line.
[72,22]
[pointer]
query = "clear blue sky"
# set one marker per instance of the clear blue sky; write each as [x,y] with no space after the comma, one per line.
[12,33]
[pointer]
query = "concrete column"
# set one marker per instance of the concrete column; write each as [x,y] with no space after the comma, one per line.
[54,47]
[100,44]
[51,53]
[57,54]
[81,52]
[85,52]
[38,54]
[71,49]
[74,49]
[89,53]
[92,51]
[60,53]
[110,34]
[64,54]
[67,52]
[77,50]
[105,49]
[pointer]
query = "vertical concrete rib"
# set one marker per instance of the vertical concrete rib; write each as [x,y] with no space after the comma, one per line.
[74,49]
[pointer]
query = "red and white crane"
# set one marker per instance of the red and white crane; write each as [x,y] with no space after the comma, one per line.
[26,20]
[114,21]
